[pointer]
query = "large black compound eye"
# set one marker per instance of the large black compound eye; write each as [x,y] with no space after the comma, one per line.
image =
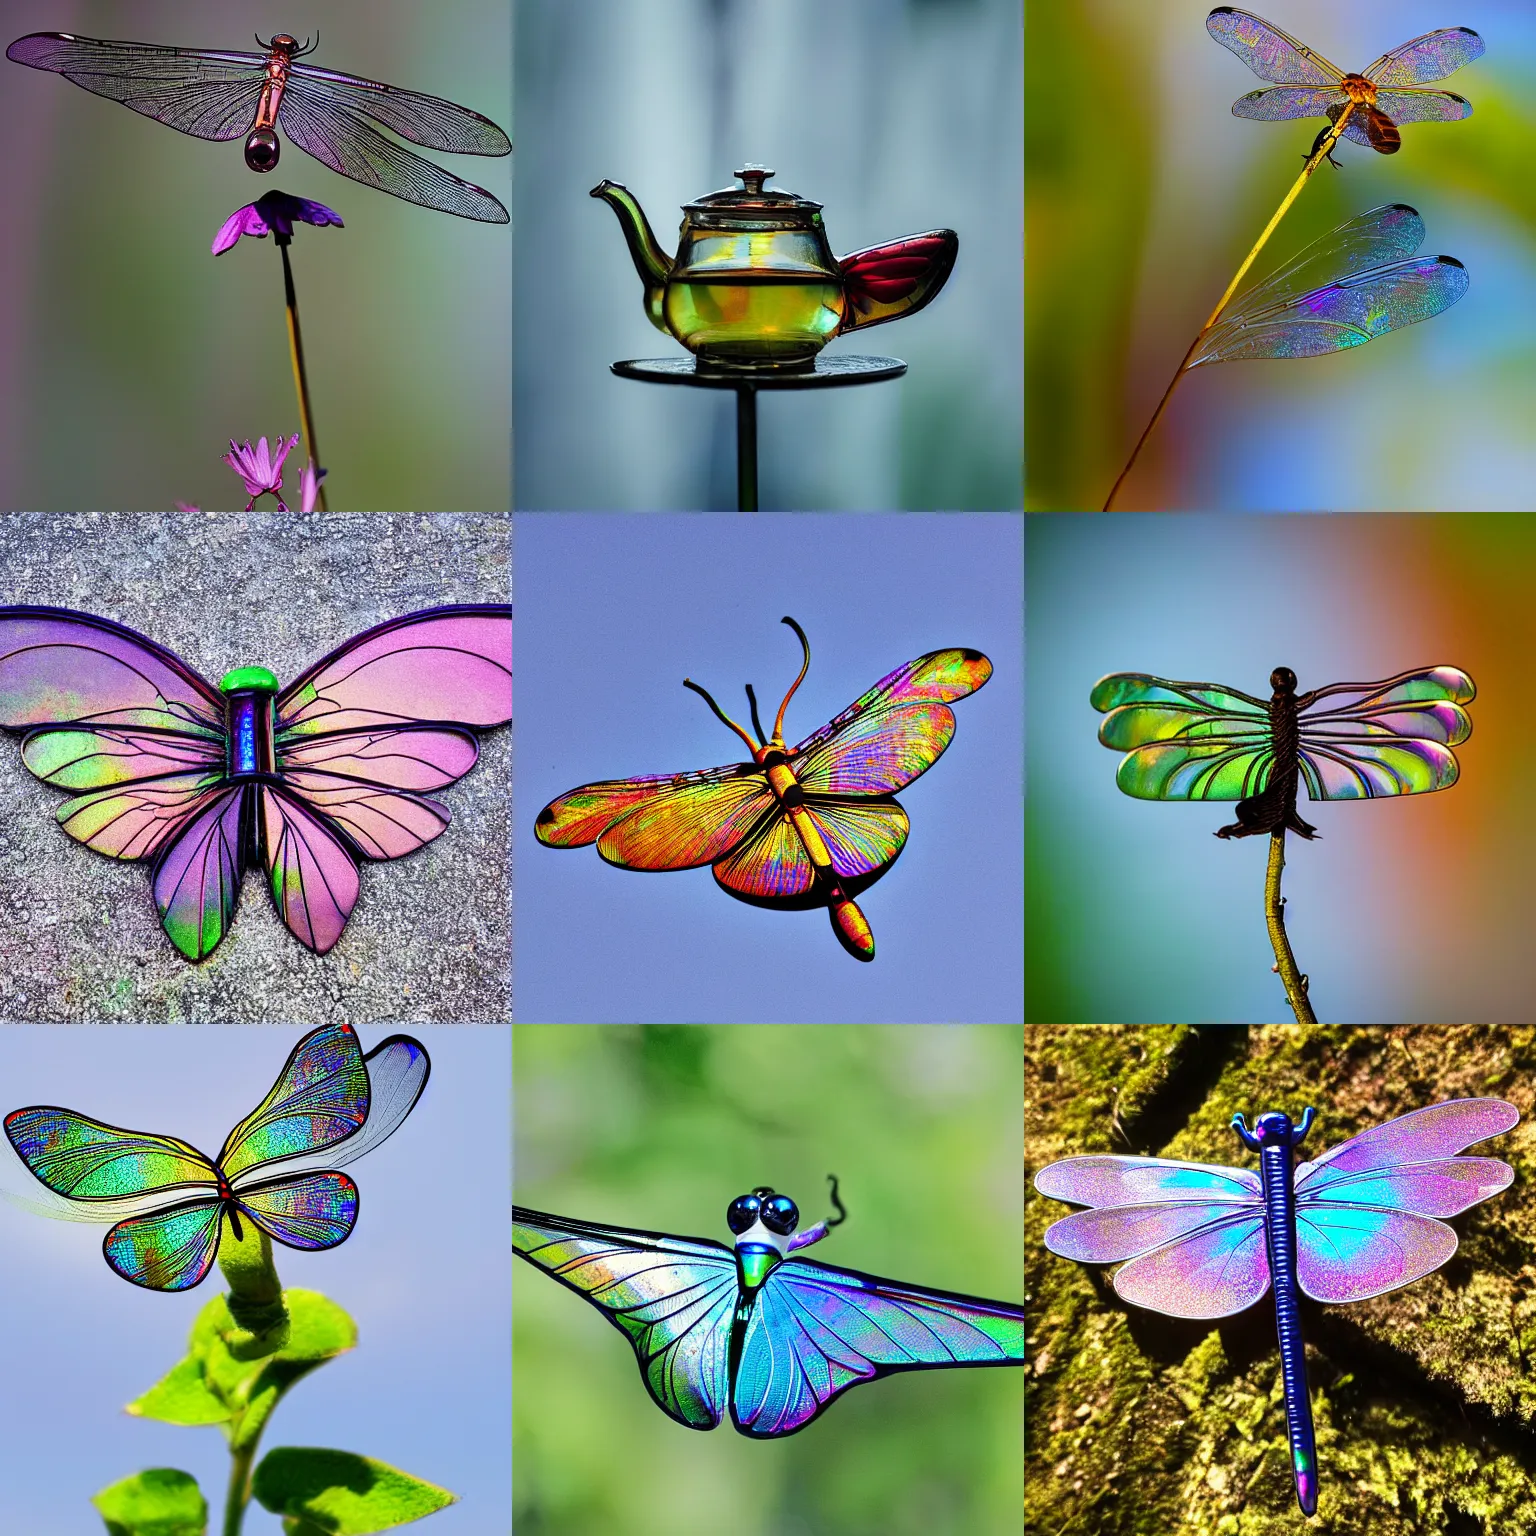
[1283,680]
[742,1213]
[781,1215]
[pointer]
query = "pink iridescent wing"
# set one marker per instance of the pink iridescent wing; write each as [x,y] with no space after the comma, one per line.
[888,281]
[311,873]
[1430,57]
[1366,1210]
[1270,53]
[1394,737]
[1189,1236]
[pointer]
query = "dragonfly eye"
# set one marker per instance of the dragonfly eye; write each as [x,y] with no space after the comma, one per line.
[1283,680]
[781,1215]
[262,150]
[742,1213]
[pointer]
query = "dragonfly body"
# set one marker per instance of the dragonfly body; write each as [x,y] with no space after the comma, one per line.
[1199,1240]
[1274,806]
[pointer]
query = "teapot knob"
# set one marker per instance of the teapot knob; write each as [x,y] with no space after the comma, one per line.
[752,178]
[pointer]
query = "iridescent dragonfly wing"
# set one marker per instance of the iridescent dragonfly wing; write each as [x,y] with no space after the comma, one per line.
[816,1330]
[671,1297]
[1270,53]
[210,95]
[1432,56]
[1363,740]
[1286,316]
[1184,741]
[1369,1212]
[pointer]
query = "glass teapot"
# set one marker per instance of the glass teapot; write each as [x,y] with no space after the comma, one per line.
[754,284]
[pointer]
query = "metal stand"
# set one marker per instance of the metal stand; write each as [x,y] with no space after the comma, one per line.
[829,373]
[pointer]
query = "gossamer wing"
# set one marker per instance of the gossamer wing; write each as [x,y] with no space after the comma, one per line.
[752,1332]
[796,827]
[302,782]
[1203,1241]
[277,1168]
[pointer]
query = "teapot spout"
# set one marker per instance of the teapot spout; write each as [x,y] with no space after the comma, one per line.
[651,262]
[886,282]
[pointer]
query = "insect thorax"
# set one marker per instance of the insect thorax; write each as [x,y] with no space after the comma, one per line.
[248,694]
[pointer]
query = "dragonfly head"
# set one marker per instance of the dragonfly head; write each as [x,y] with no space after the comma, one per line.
[1283,680]
[1274,1129]
[763,1217]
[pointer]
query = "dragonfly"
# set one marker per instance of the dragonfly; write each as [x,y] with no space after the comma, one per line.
[1348,741]
[301,782]
[1356,283]
[278,1169]
[211,94]
[795,827]
[751,1331]
[1380,97]
[1199,1240]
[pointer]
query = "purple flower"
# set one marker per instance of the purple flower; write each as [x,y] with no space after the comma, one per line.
[261,470]
[309,486]
[272,213]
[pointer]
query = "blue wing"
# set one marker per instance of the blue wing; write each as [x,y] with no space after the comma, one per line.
[671,1297]
[817,1330]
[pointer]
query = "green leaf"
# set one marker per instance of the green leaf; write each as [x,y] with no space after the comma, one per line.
[159,1502]
[181,1397]
[334,1493]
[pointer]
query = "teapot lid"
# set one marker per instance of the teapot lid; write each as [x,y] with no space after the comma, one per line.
[753,200]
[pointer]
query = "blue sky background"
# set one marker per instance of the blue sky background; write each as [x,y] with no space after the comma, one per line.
[614,611]
[424,1275]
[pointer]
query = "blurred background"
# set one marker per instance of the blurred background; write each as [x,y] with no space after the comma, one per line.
[1413,909]
[661,1128]
[129,355]
[1140,210]
[897,115]
[424,1276]
[614,612]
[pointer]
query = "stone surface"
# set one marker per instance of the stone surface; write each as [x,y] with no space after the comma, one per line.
[429,938]
[1144,1425]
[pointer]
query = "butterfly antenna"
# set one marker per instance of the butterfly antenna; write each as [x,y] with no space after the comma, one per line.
[757,725]
[842,1215]
[721,714]
[805,666]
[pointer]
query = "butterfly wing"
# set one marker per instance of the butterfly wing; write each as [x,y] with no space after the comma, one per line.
[1432,56]
[308,1211]
[166,1250]
[885,282]
[671,1297]
[1189,1236]
[816,1330]
[1366,1210]
[210,95]
[1392,737]
[1186,741]
[1270,53]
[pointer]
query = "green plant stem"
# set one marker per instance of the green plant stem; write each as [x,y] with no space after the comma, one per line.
[239,1495]
[300,377]
[1274,917]
[1324,147]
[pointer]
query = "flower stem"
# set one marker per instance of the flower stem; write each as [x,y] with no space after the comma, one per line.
[1274,916]
[1324,146]
[300,377]
[239,1494]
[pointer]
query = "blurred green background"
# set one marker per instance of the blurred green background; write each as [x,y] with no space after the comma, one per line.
[661,1127]
[129,355]
[1143,194]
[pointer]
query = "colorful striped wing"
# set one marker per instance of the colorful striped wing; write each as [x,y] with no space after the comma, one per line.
[1367,1210]
[1185,741]
[169,1250]
[772,869]
[1386,738]
[1189,1236]
[817,1330]
[671,1297]
[308,1211]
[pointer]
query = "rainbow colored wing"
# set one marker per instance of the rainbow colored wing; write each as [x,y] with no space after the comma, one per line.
[85,1160]
[1367,1210]
[772,869]
[1432,56]
[308,1211]
[817,1330]
[671,1297]
[1270,53]
[886,282]
[167,1250]
[1184,741]
[1189,1236]
[1386,738]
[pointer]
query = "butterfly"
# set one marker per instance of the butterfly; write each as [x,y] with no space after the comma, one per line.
[302,781]
[1356,283]
[750,1331]
[277,1168]
[1204,741]
[211,94]
[1382,95]
[796,827]
[1199,1240]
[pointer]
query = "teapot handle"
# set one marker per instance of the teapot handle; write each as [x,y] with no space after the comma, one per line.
[885,282]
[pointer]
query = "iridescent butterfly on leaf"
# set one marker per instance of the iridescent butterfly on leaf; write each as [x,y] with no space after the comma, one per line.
[168,1202]
[751,1332]
[796,827]
[301,782]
